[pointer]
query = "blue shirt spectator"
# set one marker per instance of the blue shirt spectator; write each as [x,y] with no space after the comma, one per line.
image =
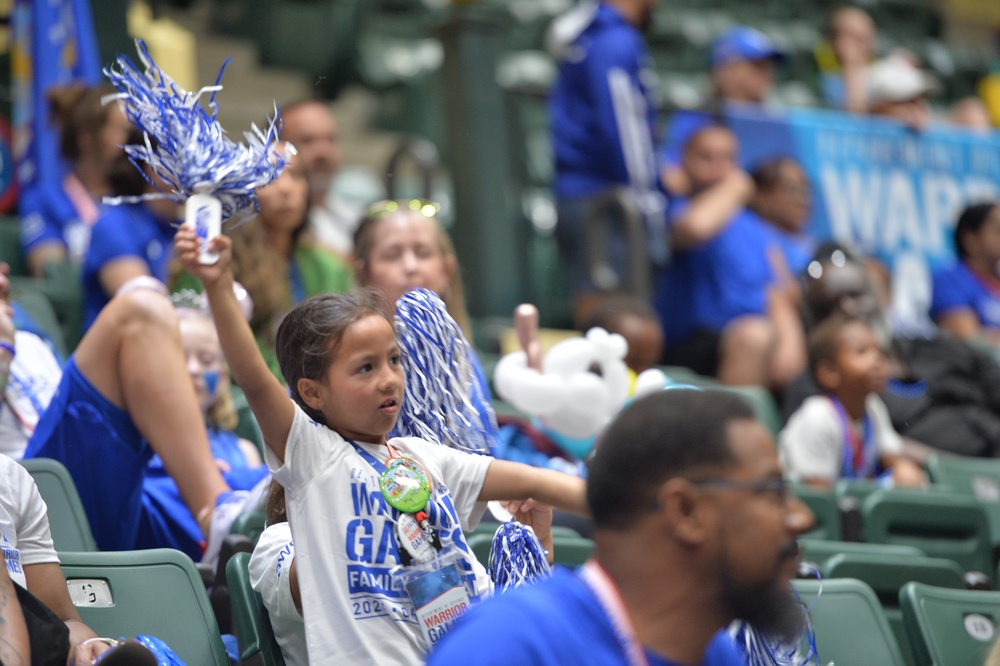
[127,231]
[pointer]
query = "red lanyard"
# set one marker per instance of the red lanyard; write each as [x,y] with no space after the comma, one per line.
[600,583]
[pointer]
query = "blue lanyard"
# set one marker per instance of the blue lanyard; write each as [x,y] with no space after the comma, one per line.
[298,288]
[369,458]
[852,468]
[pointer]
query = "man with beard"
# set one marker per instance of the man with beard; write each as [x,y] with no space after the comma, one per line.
[603,120]
[695,527]
[310,126]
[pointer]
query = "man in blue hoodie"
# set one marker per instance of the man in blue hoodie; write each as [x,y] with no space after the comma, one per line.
[603,121]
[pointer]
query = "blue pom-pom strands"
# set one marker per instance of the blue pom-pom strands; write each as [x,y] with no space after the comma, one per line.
[192,154]
[516,557]
[442,401]
[762,650]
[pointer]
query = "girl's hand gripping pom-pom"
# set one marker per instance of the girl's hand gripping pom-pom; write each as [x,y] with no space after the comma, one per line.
[190,249]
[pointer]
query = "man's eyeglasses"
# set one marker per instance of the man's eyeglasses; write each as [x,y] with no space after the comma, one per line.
[390,206]
[780,486]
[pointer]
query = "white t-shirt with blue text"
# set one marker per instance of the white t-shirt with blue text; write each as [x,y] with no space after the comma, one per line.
[25,538]
[345,545]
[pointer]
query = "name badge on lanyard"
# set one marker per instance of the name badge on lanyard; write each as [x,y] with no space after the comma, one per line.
[430,573]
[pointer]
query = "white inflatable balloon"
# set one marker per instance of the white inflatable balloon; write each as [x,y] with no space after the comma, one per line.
[584,383]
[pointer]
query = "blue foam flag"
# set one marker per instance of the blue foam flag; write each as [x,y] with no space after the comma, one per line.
[53,43]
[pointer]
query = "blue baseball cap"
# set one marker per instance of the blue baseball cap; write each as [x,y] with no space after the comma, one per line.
[743,43]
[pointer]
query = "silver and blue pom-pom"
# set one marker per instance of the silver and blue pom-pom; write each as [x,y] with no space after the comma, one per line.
[443,401]
[516,557]
[762,650]
[192,152]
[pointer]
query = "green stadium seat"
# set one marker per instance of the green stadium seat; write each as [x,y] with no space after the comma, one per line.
[570,548]
[887,574]
[824,508]
[247,428]
[572,551]
[253,626]
[67,519]
[948,626]
[250,524]
[64,288]
[973,477]
[157,592]
[764,406]
[818,551]
[37,306]
[479,544]
[850,625]
[941,524]
[10,245]
[489,528]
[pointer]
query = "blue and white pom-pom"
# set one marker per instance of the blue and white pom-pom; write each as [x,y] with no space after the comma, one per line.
[192,154]
[516,557]
[443,401]
[762,650]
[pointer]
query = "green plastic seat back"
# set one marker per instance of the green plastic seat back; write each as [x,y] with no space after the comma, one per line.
[253,626]
[489,528]
[569,546]
[38,307]
[158,592]
[850,625]
[975,477]
[480,544]
[247,428]
[764,406]
[886,575]
[67,519]
[572,551]
[824,508]
[948,626]
[759,398]
[859,489]
[941,524]
[250,524]
[10,245]
[819,550]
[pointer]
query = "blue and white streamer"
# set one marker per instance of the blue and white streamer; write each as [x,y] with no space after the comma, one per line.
[192,154]
[516,557]
[443,401]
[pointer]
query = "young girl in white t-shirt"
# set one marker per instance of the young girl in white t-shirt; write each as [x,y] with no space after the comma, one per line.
[361,506]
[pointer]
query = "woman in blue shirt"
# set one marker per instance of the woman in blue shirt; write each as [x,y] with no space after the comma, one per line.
[966,300]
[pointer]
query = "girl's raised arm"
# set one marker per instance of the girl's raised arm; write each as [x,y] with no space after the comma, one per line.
[265,394]
[507,480]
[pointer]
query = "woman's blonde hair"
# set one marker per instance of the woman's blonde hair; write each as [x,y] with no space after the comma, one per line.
[364,243]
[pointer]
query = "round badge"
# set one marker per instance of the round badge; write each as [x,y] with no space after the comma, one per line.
[405,485]
[979,627]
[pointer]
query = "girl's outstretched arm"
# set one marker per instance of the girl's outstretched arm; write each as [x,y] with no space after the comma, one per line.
[265,394]
[507,480]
